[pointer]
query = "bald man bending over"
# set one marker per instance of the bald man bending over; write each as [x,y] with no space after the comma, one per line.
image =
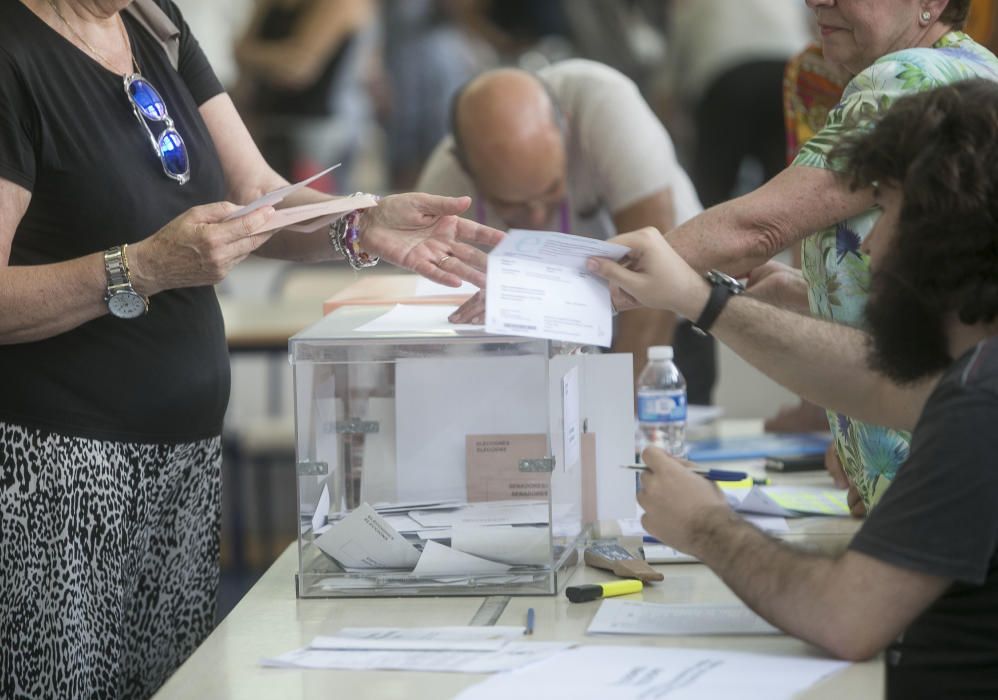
[576,149]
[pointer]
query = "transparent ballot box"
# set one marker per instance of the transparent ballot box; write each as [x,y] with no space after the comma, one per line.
[439,462]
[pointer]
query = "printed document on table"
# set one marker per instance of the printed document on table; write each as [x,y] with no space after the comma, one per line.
[631,527]
[538,286]
[664,554]
[363,540]
[636,617]
[486,638]
[650,673]
[451,633]
[513,655]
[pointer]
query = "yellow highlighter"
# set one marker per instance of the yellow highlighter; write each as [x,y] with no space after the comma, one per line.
[595,591]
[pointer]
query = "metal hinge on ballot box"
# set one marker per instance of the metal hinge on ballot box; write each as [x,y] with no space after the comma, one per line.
[313,468]
[356,426]
[541,465]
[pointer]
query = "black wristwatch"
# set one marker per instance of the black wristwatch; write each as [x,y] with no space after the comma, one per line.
[722,288]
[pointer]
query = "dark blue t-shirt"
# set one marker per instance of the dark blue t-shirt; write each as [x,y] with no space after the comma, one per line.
[68,135]
[940,517]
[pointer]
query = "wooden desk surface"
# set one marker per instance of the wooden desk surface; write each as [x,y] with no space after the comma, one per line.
[270,621]
[265,326]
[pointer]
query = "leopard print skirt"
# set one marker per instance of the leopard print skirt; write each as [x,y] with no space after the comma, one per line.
[108,562]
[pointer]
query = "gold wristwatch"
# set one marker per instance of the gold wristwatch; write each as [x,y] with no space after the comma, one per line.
[122,299]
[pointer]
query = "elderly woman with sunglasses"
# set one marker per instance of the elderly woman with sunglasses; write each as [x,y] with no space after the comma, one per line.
[119,163]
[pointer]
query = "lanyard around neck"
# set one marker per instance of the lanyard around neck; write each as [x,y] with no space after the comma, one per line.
[564,213]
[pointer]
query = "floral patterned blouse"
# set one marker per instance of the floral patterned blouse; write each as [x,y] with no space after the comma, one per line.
[837,273]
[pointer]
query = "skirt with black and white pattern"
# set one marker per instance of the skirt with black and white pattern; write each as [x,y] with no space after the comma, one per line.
[108,562]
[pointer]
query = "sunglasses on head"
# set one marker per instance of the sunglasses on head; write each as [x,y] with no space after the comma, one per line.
[147,105]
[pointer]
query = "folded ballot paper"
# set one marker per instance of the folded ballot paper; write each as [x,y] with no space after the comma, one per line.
[485,538]
[305,218]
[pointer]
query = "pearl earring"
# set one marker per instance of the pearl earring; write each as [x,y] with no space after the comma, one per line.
[926,16]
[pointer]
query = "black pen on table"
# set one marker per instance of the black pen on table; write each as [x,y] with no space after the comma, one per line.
[529,629]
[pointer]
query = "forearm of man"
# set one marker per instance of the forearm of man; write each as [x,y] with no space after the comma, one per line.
[639,329]
[741,234]
[852,605]
[824,362]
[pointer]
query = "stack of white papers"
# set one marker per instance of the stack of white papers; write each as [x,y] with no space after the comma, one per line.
[636,617]
[643,673]
[631,527]
[664,554]
[439,649]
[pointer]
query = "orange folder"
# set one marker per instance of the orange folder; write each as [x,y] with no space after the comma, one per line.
[387,290]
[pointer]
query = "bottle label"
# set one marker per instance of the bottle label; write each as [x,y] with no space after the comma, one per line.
[656,406]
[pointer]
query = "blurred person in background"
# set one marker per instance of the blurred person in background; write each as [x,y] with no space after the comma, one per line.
[567,149]
[218,25]
[426,58]
[514,27]
[300,68]
[722,75]
[724,67]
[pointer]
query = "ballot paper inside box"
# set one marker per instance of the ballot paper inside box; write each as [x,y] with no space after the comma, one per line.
[448,463]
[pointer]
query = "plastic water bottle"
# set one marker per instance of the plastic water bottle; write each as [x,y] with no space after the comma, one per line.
[662,403]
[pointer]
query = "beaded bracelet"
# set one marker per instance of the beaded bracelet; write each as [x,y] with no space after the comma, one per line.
[344,234]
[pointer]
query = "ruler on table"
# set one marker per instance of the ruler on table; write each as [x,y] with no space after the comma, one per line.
[490,610]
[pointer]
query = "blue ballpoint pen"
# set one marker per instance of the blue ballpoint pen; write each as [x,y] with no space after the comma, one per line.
[721,474]
[712,474]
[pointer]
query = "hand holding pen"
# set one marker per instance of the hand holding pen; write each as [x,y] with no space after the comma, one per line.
[675,497]
[709,474]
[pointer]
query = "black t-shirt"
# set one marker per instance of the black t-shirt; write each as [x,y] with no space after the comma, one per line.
[68,135]
[940,517]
